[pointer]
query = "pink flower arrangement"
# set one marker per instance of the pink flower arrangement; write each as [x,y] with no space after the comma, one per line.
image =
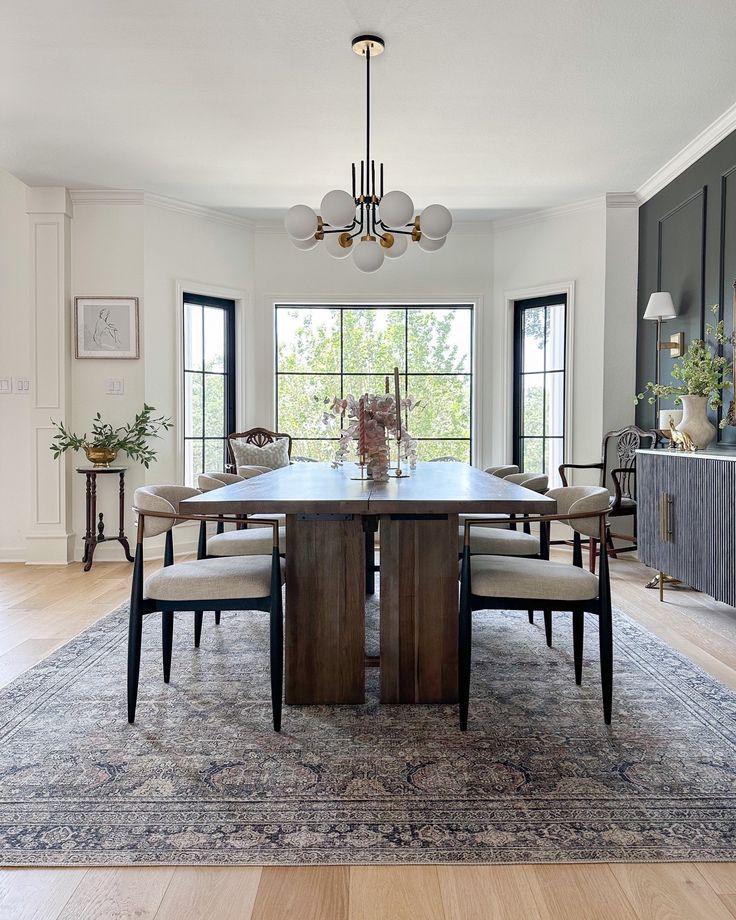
[368,420]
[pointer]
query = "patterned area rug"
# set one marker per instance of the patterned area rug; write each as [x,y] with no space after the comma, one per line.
[202,779]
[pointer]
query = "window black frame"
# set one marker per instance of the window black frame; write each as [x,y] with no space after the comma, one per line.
[405,375]
[520,306]
[228,306]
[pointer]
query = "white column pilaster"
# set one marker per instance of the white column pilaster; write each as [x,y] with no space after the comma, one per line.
[50,538]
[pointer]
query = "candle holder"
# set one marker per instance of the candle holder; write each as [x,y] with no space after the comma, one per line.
[398,473]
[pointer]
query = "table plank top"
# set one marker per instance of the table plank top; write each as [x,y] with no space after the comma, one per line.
[316,488]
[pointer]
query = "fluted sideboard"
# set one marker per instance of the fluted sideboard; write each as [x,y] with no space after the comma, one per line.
[687,517]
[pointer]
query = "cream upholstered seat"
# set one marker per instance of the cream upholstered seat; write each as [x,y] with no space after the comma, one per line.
[253,541]
[243,582]
[213,579]
[495,541]
[535,482]
[502,471]
[531,579]
[491,582]
[213,479]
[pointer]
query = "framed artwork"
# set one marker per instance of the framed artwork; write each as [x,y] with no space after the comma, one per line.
[106,327]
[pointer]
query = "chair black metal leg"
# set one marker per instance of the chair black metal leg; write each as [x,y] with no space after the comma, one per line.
[197,627]
[548,627]
[370,562]
[605,633]
[217,617]
[167,640]
[135,638]
[578,624]
[531,616]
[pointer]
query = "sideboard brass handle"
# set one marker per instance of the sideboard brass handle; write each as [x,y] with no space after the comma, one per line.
[665,518]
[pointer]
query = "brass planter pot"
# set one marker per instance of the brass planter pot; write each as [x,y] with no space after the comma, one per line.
[101,456]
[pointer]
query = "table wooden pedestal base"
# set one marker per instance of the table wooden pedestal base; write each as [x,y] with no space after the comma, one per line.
[419,608]
[325,609]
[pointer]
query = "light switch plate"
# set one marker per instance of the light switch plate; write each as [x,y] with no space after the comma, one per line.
[115,386]
[22,385]
[6,384]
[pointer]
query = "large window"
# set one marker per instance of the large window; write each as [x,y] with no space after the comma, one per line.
[539,384]
[328,351]
[209,383]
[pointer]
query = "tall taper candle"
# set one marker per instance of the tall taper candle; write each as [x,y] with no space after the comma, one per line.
[361,429]
[398,402]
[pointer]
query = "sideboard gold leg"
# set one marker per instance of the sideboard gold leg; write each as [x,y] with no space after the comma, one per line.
[661,587]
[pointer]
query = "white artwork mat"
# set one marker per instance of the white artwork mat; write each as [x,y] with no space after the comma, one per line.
[107,327]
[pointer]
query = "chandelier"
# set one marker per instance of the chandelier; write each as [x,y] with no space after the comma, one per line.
[368,223]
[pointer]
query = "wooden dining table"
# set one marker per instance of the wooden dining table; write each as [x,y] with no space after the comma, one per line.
[328,514]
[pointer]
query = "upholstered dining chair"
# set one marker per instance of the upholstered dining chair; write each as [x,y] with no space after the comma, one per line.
[507,583]
[251,582]
[625,442]
[502,471]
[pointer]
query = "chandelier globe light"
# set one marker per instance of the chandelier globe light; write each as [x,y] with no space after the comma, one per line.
[368,224]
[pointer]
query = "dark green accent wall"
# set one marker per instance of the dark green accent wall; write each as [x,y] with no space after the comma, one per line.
[687,246]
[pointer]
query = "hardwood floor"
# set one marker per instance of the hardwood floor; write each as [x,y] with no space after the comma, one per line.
[43,607]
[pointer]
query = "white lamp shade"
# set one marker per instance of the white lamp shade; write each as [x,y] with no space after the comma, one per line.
[305,244]
[660,306]
[429,245]
[368,255]
[397,250]
[338,208]
[332,245]
[396,209]
[300,222]
[435,221]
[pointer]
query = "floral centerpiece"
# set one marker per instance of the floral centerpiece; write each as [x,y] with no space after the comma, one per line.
[368,420]
[700,376]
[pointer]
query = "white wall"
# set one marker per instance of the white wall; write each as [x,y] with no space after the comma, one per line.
[107,259]
[461,271]
[15,361]
[138,245]
[594,246]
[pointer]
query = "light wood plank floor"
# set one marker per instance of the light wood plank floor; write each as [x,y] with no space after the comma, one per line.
[43,607]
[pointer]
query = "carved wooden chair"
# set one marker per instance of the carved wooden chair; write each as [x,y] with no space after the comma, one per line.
[626,442]
[258,437]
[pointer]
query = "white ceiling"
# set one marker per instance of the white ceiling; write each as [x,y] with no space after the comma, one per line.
[484,105]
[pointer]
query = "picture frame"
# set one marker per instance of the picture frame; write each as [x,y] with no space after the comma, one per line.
[106,327]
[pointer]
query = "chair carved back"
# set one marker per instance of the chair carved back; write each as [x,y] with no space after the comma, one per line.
[259,437]
[627,441]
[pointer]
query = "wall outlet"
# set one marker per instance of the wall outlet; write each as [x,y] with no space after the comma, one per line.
[6,384]
[22,385]
[115,386]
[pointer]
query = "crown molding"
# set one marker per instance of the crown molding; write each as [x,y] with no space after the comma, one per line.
[622,200]
[705,141]
[544,214]
[96,196]
[198,210]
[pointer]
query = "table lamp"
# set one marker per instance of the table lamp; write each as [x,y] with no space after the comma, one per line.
[659,309]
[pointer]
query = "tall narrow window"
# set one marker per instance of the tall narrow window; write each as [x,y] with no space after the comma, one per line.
[327,351]
[209,383]
[539,384]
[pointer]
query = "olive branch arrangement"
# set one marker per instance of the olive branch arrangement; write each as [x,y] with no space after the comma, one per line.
[131,438]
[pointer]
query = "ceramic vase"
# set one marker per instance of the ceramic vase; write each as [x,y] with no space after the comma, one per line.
[695,421]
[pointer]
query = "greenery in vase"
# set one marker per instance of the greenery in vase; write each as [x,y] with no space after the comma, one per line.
[701,371]
[132,438]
